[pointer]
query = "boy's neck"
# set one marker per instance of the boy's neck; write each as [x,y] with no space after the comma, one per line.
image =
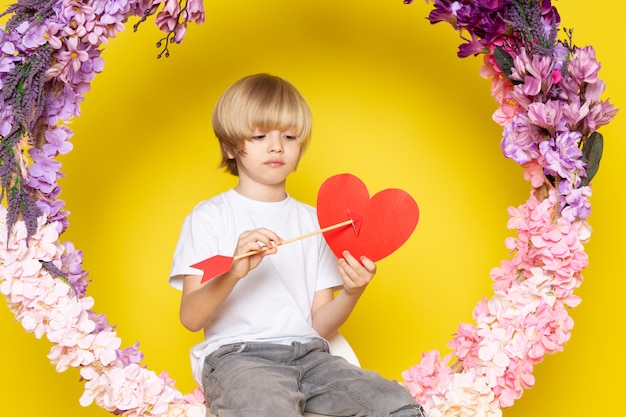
[268,193]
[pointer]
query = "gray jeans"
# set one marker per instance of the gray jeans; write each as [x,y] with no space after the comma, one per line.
[270,380]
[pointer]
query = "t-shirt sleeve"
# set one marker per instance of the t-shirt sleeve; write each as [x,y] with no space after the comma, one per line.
[196,242]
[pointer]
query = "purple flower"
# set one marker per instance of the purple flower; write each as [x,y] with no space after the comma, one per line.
[63,103]
[6,121]
[520,138]
[57,139]
[562,157]
[483,20]
[34,37]
[511,149]
[577,204]
[445,11]
[560,53]
[129,355]
[9,54]
[72,267]
[101,321]
[44,172]
[473,47]
[53,210]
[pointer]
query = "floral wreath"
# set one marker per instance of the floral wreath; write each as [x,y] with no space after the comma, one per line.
[548,92]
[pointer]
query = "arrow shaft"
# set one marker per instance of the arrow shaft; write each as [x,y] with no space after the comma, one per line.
[294,239]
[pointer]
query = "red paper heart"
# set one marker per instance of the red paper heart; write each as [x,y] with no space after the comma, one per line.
[389,217]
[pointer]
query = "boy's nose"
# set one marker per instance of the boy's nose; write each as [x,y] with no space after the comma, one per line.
[276,142]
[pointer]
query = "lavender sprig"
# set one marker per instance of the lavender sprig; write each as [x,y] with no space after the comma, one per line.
[25,87]
[527,21]
[21,203]
[24,90]
[8,161]
[54,270]
[29,10]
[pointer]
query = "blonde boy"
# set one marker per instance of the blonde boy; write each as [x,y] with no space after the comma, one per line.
[266,320]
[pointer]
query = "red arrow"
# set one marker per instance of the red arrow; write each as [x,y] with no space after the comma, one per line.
[219,264]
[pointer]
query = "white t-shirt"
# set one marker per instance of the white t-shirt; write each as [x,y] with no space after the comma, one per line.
[273,303]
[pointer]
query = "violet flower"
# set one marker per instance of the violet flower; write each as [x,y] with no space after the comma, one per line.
[130,355]
[43,172]
[72,267]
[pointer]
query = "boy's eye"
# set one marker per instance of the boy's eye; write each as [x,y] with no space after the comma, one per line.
[261,136]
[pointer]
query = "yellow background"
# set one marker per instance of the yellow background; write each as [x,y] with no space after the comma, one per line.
[393,105]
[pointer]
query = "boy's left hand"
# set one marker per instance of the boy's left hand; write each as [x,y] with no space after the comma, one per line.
[356,275]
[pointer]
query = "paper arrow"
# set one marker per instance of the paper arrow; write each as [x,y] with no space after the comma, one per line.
[219,264]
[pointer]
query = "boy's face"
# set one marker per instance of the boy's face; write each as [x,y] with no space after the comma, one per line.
[269,157]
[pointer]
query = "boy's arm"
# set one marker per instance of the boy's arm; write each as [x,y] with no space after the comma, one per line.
[330,313]
[201,302]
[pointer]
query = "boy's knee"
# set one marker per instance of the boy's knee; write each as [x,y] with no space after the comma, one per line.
[411,410]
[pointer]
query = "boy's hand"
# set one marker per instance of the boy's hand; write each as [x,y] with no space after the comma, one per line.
[253,240]
[356,275]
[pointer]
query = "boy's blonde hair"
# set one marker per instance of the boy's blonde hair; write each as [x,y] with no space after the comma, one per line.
[261,101]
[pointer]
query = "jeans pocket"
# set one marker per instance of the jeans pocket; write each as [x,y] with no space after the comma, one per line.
[211,385]
[212,361]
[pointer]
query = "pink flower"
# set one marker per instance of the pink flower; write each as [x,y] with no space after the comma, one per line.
[467,395]
[546,115]
[584,67]
[195,11]
[427,377]
[534,74]
[511,385]
[465,341]
[556,76]
[70,320]
[600,114]
[114,389]
[505,114]
[501,89]
[494,359]
[196,397]
[504,276]
[132,389]
[574,112]
[533,172]
[167,18]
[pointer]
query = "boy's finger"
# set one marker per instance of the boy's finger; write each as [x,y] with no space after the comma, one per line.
[348,256]
[364,261]
[269,238]
[368,264]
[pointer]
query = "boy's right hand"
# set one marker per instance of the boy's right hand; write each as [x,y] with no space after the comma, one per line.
[262,240]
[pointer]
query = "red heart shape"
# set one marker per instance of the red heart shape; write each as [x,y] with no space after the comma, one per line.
[388,218]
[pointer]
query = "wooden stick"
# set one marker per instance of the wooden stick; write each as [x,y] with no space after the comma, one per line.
[293,239]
